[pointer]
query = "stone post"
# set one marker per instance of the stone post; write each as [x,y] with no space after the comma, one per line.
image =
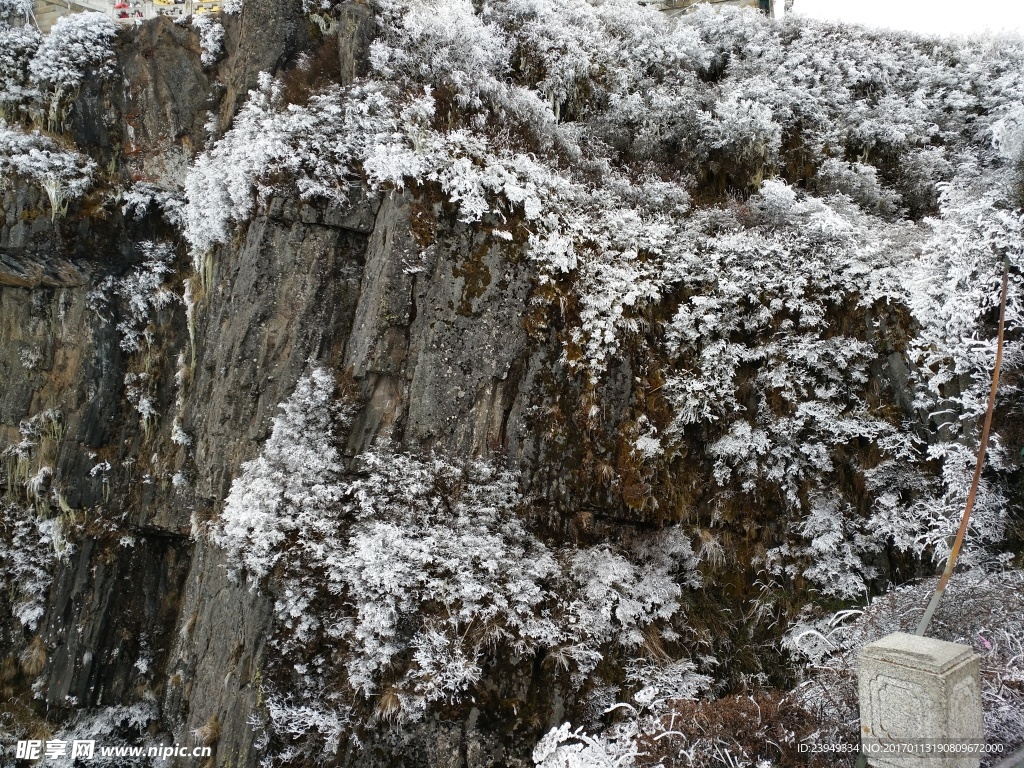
[917,694]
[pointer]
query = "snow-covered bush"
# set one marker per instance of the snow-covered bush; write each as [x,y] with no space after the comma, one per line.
[745,138]
[755,731]
[211,37]
[565,748]
[954,293]
[17,47]
[785,402]
[32,157]
[29,470]
[1008,135]
[860,183]
[75,44]
[27,559]
[422,574]
[761,374]
[142,292]
[20,10]
[141,197]
[268,138]
[292,486]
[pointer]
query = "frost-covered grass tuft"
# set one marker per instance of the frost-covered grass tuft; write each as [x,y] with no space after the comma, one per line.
[112,726]
[660,689]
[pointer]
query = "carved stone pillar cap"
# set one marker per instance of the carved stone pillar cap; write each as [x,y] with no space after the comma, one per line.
[924,653]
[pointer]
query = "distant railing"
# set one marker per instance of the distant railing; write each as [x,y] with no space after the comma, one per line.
[774,8]
[135,11]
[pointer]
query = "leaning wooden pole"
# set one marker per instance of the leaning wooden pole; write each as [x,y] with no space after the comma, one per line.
[926,620]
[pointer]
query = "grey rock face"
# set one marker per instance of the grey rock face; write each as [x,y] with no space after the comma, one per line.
[266,35]
[356,31]
[286,298]
[439,339]
[112,612]
[219,646]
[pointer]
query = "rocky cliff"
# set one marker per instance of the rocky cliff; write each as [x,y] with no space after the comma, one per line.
[140,375]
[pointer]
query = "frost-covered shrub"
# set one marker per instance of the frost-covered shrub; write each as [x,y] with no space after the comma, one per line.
[860,183]
[63,174]
[211,37]
[422,574]
[785,403]
[269,138]
[75,44]
[757,730]
[17,47]
[745,138]
[292,486]
[19,10]
[141,197]
[27,559]
[445,44]
[28,460]
[142,292]
[565,748]
[1008,135]
[779,396]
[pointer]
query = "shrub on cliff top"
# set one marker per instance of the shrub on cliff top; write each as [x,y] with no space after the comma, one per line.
[20,9]
[76,43]
[17,47]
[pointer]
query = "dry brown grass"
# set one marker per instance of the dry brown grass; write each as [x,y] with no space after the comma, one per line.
[33,658]
[766,726]
[208,734]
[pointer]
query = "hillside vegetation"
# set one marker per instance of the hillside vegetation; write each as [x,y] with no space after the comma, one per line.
[760,266]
